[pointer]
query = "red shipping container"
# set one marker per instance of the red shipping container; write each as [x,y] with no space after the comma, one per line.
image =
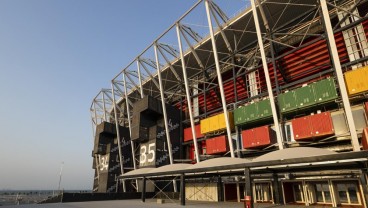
[201,149]
[188,136]
[302,128]
[217,145]
[321,124]
[258,137]
[309,127]
[365,138]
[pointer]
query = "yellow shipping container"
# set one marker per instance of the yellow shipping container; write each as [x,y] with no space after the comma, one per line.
[216,123]
[357,80]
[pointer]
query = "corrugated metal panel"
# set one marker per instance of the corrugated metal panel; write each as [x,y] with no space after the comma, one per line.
[248,136]
[365,138]
[313,126]
[239,116]
[305,96]
[249,112]
[325,90]
[321,124]
[253,112]
[287,101]
[258,137]
[264,109]
[356,80]
[313,94]
[301,128]
[188,136]
[217,145]
[216,123]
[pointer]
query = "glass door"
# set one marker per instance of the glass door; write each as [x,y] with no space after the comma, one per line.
[298,192]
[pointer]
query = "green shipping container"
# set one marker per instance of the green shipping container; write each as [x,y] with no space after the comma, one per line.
[264,109]
[250,112]
[325,90]
[287,102]
[239,116]
[253,112]
[305,96]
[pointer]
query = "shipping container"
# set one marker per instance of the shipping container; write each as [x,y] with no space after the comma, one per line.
[264,109]
[188,136]
[301,128]
[216,123]
[305,96]
[321,124]
[325,90]
[356,80]
[287,102]
[313,126]
[217,145]
[253,112]
[365,138]
[258,137]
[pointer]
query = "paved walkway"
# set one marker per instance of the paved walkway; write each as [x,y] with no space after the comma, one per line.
[149,204]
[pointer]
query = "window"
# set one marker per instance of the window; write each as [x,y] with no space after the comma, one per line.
[322,193]
[289,134]
[348,193]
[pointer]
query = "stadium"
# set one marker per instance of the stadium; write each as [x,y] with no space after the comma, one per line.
[268,106]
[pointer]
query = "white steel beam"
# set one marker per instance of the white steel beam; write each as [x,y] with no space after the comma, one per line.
[187,90]
[163,106]
[104,106]
[167,130]
[219,77]
[339,74]
[117,126]
[140,79]
[268,81]
[129,121]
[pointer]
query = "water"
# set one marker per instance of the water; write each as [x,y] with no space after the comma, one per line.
[14,197]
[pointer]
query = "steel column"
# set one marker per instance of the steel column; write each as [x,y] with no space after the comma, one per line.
[219,77]
[182,189]
[339,74]
[188,95]
[220,189]
[117,126]
[268,81]
[248,185]
[143,196]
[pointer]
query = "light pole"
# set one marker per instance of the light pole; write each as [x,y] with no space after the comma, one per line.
[60,174]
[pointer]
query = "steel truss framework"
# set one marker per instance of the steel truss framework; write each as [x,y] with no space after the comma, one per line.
[256,40]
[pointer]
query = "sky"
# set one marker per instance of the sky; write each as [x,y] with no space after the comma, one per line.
[55,56]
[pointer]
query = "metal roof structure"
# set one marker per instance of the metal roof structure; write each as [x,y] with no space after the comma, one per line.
[307,159]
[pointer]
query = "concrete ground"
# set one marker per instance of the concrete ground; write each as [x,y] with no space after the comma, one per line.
[150,203]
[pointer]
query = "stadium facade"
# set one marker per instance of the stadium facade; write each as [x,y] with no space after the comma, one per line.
[271,103]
